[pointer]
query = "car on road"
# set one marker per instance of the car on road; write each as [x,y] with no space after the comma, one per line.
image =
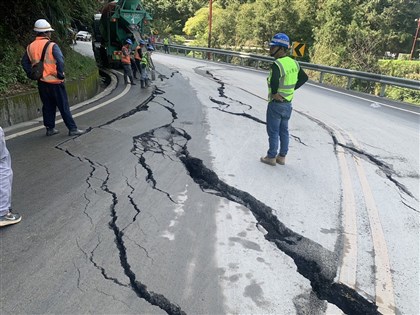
[83,35]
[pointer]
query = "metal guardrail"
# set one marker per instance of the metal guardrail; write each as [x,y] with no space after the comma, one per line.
[212,53]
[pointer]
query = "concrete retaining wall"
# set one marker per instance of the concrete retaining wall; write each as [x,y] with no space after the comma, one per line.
[27,106]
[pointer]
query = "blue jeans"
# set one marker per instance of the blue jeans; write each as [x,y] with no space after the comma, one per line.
[278,115]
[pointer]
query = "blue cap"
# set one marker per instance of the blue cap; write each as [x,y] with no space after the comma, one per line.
[128,41]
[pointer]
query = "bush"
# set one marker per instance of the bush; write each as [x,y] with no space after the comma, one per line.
[404,69]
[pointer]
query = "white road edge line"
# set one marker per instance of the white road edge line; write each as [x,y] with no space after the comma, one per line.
[364,99]
[24,132]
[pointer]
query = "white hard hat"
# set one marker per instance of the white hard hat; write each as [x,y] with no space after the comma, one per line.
[42,26]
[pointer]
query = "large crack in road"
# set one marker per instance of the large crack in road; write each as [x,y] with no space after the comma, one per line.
[385,168]
[139,288]
[313,261]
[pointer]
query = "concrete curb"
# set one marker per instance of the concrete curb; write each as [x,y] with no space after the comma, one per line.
[36,118]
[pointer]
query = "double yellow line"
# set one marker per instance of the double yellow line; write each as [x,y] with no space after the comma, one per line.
[384,288]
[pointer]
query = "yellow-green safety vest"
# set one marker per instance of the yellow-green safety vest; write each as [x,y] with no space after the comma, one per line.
[145,59]
[289,69]
[166,41]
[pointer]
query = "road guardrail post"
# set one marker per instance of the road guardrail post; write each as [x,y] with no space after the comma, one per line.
[383,88]
[349,82]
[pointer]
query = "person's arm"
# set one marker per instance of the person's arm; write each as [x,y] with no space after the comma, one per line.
[26,64]
[302,78]
[125,51]
[275,78]
[58,55]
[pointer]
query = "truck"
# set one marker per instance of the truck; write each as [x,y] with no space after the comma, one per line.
[117,22]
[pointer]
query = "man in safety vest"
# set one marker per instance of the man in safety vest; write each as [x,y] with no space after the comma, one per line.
[126,61]
[166,45]
[146,66]
[284,78]
[51,85]
[138,55]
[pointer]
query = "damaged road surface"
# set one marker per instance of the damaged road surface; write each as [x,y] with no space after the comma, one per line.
[164,208]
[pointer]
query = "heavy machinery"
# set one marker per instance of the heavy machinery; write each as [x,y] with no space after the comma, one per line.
[118,21]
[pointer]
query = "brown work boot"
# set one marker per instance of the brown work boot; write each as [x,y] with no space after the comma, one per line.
[269,161]
[281,159]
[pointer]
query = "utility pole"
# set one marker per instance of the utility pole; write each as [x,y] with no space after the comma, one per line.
[415,39]
[210,22]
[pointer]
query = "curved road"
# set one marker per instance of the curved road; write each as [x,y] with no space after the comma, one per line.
[164,207]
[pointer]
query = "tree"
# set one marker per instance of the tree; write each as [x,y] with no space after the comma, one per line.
[355,33]
[171,16]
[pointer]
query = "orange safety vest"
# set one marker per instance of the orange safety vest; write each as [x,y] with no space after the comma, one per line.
[34,51]
[125,56]
[136,53]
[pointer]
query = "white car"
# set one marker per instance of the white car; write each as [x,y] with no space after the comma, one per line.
[83,35]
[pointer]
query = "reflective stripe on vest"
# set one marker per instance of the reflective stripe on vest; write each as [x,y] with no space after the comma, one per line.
[34,51]
[125,56]
[289,69]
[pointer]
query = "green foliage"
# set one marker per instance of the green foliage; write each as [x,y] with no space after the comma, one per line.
[170,16]
[10,68]
[402,69]
[178,39]
[16,33]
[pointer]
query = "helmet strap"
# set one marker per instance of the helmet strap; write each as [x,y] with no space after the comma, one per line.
[275,53]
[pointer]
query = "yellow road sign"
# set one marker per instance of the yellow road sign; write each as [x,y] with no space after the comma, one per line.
[298,49]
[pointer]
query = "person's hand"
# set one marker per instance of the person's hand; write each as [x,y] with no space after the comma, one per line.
[277,97]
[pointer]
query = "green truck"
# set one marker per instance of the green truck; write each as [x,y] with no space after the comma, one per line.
[118,21]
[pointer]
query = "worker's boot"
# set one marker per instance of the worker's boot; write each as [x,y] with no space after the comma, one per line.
[281,159]
[132,81]
[269,161]
[142,84]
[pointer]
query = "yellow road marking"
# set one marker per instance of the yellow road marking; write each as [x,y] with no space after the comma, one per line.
[348,268]
[384,287]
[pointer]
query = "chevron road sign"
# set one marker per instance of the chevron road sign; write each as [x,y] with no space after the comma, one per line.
[298,49]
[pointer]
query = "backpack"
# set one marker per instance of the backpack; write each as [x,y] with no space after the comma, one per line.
[38,68]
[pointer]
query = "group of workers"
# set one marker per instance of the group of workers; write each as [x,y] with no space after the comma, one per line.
[141,62]
[284,78]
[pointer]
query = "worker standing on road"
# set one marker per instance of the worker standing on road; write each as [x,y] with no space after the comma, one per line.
[147,66]
[284,78]
[138,55]
[6,178]
[51,85]
[126,61]
[166,45]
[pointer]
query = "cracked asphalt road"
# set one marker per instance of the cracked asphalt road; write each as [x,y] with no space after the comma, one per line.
[163,207]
